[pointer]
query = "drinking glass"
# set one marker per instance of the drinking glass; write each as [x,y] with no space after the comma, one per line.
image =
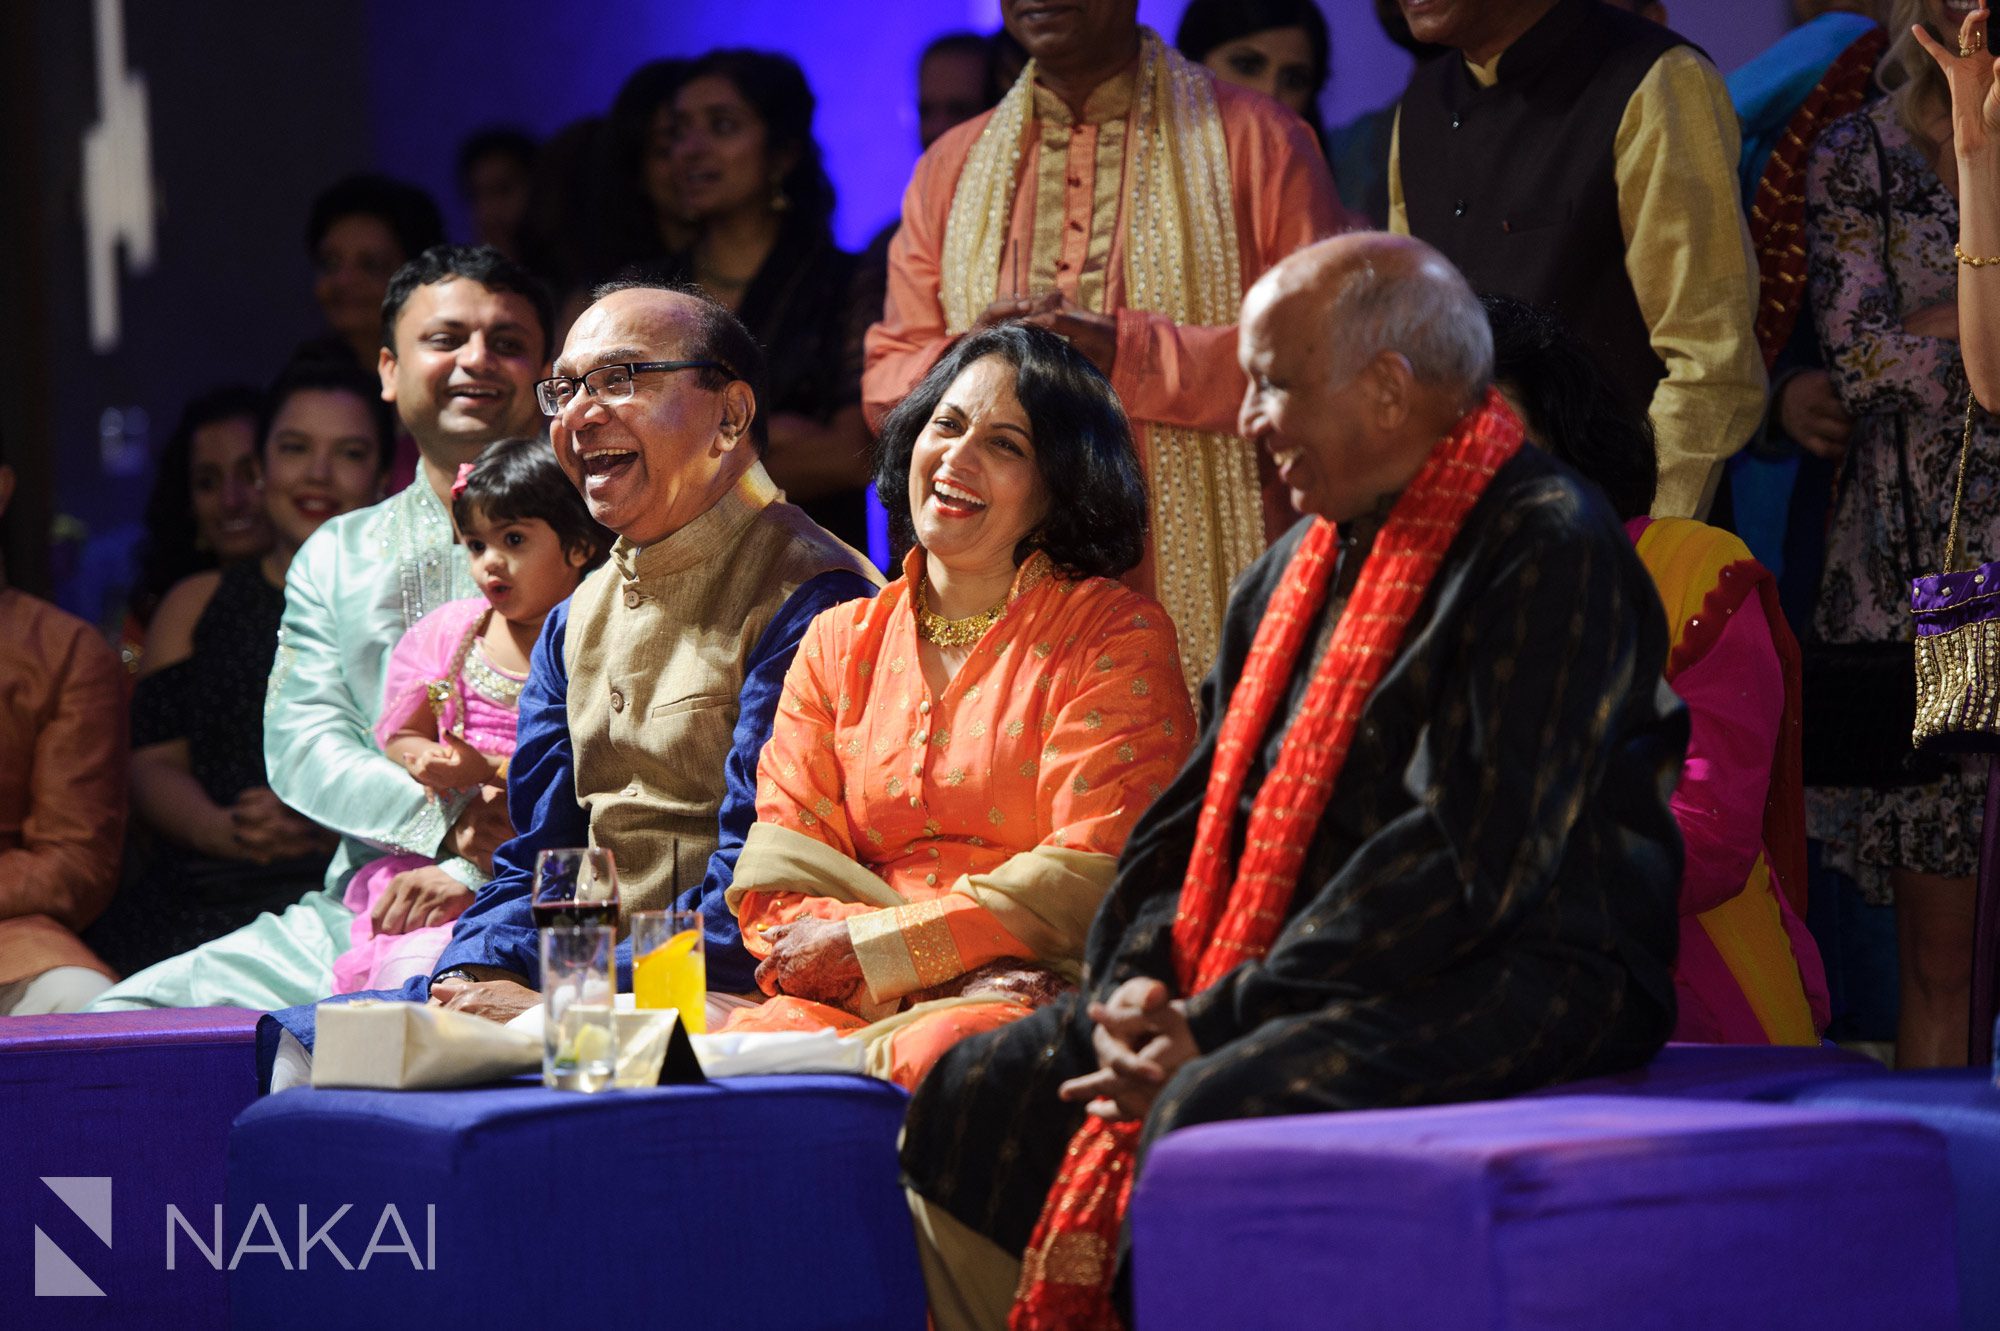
[579,1040]
[670,965]
[574,887]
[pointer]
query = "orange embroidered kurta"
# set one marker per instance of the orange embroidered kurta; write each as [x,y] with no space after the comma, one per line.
[955,828]
[1069,230]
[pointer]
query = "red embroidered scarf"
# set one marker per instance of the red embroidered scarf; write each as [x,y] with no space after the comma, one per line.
[1223,920]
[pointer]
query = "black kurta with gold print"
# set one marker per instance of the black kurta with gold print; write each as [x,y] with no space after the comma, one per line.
[1488,904]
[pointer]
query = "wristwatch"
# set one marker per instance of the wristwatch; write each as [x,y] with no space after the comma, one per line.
[456,973]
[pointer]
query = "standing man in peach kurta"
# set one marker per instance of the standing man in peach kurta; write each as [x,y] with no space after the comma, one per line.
[1122,197]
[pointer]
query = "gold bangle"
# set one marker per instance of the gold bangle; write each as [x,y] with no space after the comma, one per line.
[1974,260]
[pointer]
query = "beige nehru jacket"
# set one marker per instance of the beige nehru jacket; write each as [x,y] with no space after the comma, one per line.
[656,645]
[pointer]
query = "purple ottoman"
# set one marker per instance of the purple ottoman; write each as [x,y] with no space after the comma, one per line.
[1964,1106]
[1727,1072]
[1548,1215]
[136,1107]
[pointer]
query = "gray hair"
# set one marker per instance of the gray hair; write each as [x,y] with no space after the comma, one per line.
[1429,316]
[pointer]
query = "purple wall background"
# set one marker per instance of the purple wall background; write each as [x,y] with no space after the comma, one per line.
[859,54]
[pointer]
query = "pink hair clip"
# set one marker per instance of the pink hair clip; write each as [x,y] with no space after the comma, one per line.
[458,485]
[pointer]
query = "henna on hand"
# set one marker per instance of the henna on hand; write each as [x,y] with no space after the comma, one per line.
[1009,979]
[813,959]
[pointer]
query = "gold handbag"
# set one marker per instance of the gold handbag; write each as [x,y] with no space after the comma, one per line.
[1957,617]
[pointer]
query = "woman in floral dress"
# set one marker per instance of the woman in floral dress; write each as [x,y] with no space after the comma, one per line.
[1881,215]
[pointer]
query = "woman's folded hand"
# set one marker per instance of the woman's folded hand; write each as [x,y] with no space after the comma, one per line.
[812,959]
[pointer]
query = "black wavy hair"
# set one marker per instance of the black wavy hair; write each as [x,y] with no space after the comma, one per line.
[645,90]
[1571,406]
[330,370]
[410,213]
[482,264]
[168,552]
[1096,523]
[1207,24]
[620,225]
[518,479]
[777,90]
[718,335]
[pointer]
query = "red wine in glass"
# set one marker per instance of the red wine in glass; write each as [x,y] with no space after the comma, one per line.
[575,887]
[573,914]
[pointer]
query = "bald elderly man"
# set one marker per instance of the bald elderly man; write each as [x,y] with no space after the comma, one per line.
[1441,863]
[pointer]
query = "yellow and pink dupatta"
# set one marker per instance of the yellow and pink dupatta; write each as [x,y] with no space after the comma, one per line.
[1753,943]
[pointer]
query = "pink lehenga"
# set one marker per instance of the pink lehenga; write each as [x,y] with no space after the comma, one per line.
[440,663]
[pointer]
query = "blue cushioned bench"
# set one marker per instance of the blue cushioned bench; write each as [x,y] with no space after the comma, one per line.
[751,1202]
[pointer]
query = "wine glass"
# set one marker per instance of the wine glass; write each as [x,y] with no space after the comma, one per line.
[575,887]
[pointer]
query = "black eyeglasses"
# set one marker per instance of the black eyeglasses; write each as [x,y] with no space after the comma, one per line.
[612,383]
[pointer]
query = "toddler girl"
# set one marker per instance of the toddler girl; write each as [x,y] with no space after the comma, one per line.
[454,684]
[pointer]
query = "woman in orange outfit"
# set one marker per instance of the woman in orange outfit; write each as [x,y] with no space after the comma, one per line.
[955,765]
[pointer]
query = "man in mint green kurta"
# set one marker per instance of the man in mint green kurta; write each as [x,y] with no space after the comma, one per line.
[466,336]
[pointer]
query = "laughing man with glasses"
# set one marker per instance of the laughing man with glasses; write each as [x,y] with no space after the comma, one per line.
[614,383]
[652,690]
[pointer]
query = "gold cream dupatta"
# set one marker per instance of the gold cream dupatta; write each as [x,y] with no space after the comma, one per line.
[1045,897]
[1181,260]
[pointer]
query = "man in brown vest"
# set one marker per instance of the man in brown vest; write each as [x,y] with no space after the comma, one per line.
[651,692]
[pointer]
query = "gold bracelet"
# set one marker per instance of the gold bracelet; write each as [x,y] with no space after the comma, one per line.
[1974,260]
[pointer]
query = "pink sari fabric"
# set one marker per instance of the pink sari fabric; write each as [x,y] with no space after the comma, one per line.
[425,653]
[1730,700]
[1748,971]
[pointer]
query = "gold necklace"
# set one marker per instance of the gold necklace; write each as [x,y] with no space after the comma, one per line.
[935,628]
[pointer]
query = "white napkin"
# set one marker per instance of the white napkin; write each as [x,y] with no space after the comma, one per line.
[754,1053]
[394,1046]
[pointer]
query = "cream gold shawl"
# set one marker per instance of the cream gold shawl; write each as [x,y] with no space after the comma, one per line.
[1181,260]
[1046,897]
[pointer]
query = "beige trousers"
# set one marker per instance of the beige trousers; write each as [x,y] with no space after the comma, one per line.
[970,1279]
